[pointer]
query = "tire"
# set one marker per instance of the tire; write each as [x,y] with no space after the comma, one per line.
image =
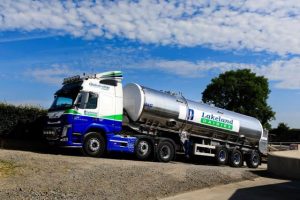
[165,151]
[253,159]
[221,155]
[94,145]
[236,158]
[143,149]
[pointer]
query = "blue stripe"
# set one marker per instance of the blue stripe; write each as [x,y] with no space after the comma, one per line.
[82,124]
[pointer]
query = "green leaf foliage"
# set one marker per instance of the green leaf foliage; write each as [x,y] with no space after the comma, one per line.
[21,121]
[283,133]
[241,91]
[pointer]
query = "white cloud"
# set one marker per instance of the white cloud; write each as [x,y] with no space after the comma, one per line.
[284,73]
[194,69]
[24,37]
[51,75]
[264,25]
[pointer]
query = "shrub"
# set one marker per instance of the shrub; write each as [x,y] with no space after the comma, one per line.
[23,122]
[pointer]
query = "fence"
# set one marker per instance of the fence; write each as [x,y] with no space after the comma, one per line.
[283,146]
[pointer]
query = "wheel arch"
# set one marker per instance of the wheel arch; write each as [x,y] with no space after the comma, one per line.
[95,129]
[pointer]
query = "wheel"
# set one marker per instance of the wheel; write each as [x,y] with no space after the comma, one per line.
[94,145]
[165,151]
[143,149]
[236,158]
[221,155]
[253,159]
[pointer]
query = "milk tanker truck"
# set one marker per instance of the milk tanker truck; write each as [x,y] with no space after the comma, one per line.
[98,115]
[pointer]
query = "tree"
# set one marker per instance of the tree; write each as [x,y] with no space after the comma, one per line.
[281,133]
[241,91]
[283,127]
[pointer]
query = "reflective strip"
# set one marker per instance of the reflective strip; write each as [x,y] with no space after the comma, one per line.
[119,141]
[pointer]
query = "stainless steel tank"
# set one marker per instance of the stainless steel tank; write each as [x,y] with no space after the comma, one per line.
[161,109]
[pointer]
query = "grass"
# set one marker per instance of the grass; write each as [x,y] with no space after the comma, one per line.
[6,168]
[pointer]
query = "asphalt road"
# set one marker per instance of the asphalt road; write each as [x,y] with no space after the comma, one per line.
[263,188]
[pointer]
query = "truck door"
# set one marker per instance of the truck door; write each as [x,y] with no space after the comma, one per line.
[88,106]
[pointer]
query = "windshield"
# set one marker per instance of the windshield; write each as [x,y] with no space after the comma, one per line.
[65,97]
[61,103]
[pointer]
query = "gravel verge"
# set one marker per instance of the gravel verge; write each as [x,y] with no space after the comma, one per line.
[48,176]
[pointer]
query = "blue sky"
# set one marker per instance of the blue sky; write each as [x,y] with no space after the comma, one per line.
[177,46]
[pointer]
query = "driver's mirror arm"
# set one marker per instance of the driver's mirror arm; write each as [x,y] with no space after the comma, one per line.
[76,105]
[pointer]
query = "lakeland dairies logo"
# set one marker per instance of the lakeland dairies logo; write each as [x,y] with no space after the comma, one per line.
[216,121]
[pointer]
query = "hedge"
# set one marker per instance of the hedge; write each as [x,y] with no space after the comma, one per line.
[23,122]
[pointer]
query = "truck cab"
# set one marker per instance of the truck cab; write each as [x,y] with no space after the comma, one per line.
[84,105]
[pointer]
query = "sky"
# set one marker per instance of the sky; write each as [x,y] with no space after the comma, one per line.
[166,45]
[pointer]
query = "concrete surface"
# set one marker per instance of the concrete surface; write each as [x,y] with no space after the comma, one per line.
[261,188]
[285,164]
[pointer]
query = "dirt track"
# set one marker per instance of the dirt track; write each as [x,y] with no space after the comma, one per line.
[49,176]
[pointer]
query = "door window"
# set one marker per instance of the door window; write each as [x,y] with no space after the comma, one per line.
[92,101]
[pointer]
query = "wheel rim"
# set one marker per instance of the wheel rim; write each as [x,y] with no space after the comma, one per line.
[255,160]
[222,156]
[143,147]
[165,152]
[94,144]
[236,158]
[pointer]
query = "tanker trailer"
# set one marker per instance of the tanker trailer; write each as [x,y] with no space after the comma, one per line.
[197,129]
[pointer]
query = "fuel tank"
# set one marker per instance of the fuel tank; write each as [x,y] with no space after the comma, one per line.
[174,112]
